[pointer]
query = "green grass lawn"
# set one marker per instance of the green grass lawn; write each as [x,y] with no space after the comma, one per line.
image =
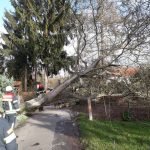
[114,135]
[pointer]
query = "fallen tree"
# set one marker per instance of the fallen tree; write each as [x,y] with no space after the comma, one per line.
[125,36]
[37,102]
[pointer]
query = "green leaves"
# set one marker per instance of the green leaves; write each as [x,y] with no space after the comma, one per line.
[37,30]
[4,81]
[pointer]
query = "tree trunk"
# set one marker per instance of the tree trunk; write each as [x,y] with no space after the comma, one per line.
[35,76]
[45,79]
[102,45]
[51,95]
[25,80]
[90,109]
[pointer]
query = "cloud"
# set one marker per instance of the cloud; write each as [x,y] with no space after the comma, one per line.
[2,29]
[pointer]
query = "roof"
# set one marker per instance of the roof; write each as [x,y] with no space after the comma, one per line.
[125,71]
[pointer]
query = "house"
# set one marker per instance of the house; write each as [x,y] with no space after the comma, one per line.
[125,71]
[122,73]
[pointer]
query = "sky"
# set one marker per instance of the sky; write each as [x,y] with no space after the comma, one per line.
[4,4]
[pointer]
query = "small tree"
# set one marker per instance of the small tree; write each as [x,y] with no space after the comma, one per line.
[4,81]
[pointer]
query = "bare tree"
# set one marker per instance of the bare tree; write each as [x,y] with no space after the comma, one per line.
[107,33]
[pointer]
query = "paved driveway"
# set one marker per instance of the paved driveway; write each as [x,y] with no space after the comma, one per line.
[48,130]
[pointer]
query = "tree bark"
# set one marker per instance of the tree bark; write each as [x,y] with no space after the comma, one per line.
[45,79]
[35,76]
[25,79]
[90,109]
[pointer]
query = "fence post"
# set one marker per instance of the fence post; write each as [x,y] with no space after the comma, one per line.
[90,109]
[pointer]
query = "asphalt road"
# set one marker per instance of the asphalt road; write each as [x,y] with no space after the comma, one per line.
[48,130]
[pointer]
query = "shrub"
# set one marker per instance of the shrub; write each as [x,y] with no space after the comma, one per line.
[4,81]
[126,116]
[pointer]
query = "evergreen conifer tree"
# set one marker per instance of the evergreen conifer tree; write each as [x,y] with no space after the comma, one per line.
[36,32]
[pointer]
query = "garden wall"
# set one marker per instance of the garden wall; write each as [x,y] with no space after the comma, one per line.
[115,108]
